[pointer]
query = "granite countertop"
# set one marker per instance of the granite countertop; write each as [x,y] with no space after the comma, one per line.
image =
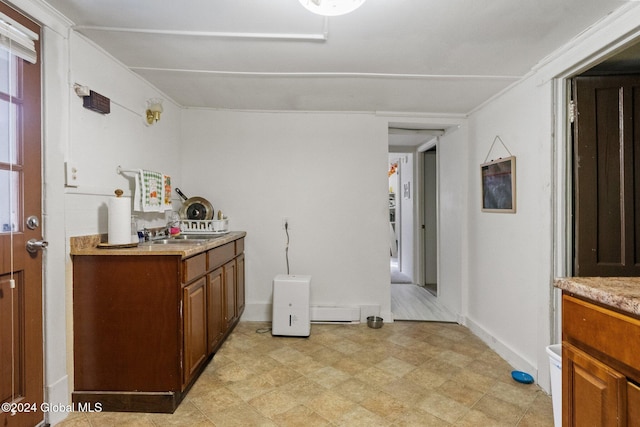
[622,293]
[88,245]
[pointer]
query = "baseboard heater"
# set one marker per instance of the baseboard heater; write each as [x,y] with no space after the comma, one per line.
[320,314]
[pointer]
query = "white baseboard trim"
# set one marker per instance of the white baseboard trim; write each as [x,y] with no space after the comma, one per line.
[334,314]
[263,312]
[257,312]
[57,394]
[518,362]
[367,310]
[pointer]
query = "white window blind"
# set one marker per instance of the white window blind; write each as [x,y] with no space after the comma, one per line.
[17,39]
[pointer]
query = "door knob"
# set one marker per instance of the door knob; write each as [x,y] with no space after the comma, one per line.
[34,245]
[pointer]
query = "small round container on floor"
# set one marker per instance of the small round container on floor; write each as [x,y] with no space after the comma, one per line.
[374,322]
[522,377]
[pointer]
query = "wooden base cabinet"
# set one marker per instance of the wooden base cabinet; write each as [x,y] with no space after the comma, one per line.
[229,273]
[196,348]
[240,281]
[217,324]
[597,391]
[146,325]
[600,365]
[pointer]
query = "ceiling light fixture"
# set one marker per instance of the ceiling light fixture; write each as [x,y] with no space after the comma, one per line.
[331,7]
[154,108]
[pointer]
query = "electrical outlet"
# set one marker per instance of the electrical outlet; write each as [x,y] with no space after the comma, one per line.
[71,174]
[287,221]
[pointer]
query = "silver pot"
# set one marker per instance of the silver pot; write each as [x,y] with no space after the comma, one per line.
[197,208]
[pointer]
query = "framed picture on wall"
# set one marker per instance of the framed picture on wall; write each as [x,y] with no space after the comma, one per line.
[498,179]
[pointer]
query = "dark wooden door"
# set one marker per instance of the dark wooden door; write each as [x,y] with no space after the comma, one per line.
[606,184]
[21,354]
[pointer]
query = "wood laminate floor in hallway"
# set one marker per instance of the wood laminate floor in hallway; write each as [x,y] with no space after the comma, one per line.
[412,302]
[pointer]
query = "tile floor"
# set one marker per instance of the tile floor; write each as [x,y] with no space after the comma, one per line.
[404,374]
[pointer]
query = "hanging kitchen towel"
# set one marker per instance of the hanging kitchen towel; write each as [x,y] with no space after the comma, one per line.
[166,199]
[153,191]
[149,192]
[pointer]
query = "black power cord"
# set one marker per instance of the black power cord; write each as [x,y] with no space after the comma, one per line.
[286,249]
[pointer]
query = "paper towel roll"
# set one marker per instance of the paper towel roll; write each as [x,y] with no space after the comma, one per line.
[119,220]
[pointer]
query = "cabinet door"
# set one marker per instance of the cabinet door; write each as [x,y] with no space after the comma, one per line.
[240,284]
[230,291]
[633,405]
[215,308]
[195,327]
[593,393]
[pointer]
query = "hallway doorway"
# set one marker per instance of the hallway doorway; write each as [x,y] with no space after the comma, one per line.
[413,227]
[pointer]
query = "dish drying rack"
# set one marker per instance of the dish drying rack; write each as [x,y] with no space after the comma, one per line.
[207,226]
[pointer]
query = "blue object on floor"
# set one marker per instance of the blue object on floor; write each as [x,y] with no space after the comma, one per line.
[522,377]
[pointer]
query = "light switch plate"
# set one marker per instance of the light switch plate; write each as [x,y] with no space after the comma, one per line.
[71,174]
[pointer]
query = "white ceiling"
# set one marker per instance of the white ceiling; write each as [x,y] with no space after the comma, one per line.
[421,56]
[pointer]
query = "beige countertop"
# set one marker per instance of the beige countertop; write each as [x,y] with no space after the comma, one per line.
[622,293]
[88,245]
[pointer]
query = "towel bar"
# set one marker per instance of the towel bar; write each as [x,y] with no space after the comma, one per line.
[120,170]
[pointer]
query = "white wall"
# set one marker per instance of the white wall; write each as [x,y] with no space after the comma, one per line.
[325,172]
[97,144]
[509,265]
[508,292]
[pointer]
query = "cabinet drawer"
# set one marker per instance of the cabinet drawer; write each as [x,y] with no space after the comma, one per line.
[220,255]
[609,332]
[239,246]
[193,267]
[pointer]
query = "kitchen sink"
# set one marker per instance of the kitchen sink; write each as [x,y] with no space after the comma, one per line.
[196,236]
[177,241]
[184,239]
